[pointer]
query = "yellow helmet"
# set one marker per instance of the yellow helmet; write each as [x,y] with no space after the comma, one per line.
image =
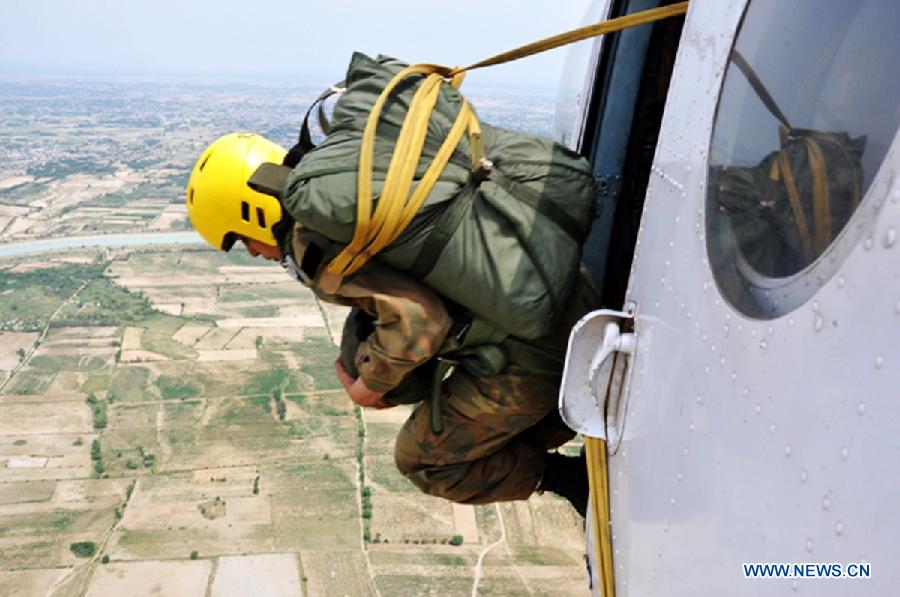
[220,204]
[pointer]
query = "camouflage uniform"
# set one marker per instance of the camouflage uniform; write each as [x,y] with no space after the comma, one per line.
[497,428]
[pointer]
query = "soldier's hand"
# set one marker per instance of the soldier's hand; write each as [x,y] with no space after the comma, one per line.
[358,391]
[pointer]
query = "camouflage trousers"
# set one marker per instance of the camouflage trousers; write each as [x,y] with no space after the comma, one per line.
[496,433]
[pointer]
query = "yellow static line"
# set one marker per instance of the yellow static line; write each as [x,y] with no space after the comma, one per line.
[598,477]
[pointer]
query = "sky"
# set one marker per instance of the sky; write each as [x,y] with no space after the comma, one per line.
[295,40]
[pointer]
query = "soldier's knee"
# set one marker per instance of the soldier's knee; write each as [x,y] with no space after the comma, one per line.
[407,455]
[446,482]
[421,469]
[411,465]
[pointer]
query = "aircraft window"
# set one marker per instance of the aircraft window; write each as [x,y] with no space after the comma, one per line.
[807,112]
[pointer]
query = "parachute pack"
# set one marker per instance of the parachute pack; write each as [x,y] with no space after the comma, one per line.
[502,239]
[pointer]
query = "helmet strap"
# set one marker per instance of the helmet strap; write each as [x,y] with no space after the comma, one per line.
[282,230]
[270,179]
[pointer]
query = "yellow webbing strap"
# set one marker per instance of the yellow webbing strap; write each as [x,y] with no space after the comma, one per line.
[783,169]
[395,211]
[598,477]
[569,37]
[821,196]
[396,207]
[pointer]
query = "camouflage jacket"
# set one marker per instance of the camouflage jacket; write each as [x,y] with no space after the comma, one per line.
[411,320]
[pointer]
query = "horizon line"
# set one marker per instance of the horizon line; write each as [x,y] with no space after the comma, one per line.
[312,80]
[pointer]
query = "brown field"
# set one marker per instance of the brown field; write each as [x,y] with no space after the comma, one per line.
[273,575]
[28,582]
[26,493]
[151,579]
[245,354]
[336,573]
[10,343]
[35,419]
[189,333]
[301,318]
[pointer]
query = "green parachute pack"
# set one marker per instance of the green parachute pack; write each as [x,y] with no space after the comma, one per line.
[504,242]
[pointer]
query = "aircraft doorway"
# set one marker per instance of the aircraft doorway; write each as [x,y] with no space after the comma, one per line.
[621,129]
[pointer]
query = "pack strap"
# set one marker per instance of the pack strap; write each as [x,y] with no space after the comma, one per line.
[304,142]
[781,168]
[444,227]
[396,206]
[820,194]
[443,368]
[759,88]
[563,220]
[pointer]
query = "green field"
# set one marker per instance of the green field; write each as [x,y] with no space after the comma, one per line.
[31,297]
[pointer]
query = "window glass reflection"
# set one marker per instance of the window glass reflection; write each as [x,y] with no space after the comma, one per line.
[808,110]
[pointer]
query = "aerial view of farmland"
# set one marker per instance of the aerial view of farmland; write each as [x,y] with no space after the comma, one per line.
[170,420]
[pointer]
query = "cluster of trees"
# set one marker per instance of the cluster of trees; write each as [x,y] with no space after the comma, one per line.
[83,549]
[97,457]
[147,459]
[455,540]
[103,303]
[98,408]
[366,502]
[280,406]
[361,434]
[365,492]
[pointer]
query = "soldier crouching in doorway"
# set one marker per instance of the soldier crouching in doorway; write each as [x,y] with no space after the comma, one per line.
[485,422]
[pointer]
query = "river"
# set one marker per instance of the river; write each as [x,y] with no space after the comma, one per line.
[100,240]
